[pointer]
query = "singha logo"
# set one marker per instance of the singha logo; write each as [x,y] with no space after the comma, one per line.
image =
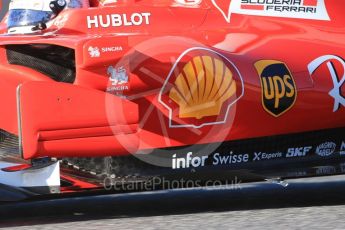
[94,52]
[118,76]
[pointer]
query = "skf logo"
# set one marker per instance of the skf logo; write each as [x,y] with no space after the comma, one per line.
[279,91]
[201,88]
[298,152]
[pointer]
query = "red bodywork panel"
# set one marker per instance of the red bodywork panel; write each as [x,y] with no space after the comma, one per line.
[70,123]
[196,73]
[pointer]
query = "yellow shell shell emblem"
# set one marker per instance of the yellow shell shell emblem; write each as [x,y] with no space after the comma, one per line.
[202,87]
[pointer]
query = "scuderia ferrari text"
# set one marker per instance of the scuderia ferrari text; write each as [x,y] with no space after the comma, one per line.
[305,9]
[117,20]
[284,5]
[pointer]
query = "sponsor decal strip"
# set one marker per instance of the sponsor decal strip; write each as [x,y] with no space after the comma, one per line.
[303,9]
[318,146]
[307,9]
[196,160]
[192,160]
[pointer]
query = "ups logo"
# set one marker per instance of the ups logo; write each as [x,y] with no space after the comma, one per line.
[279,91]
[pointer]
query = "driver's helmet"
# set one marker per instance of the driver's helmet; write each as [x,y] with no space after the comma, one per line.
[29,16]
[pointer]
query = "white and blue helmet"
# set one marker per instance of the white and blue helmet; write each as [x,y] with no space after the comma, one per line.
[29,16]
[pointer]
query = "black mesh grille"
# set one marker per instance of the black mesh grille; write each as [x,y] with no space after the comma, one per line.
[56,62]
[9,143]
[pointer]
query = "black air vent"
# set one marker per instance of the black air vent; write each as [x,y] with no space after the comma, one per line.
[9,143]
[56,62]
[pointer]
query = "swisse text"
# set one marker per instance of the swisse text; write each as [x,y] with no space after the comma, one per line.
[200,161]
[117,20]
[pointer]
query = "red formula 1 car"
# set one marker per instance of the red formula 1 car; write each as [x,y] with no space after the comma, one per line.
[99,92]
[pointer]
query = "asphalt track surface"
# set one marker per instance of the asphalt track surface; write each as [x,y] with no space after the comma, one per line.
[314,203]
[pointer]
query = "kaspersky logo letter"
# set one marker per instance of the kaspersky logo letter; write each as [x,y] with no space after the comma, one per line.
[342,148]
[279,91]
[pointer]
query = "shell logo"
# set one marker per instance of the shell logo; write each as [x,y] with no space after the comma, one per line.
[201,88]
